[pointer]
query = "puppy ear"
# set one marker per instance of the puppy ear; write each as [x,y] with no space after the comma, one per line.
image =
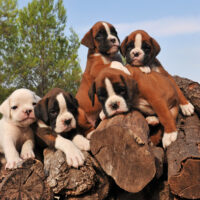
[156,47]
[41,110]
[123,46]
[88,40]
[5,108]
[92,92]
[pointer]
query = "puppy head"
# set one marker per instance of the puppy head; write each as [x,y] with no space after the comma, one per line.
[103,38]
[19,107]
[58,109]
[116,91]
[139,48]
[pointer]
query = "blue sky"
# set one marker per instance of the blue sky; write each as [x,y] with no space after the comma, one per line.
[174,24]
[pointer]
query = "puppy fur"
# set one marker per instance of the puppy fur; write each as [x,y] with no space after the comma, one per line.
[15,132]
[116,91]
[140,50]
[58,127]
[103,45]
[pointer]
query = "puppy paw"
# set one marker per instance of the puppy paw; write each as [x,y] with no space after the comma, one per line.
[152,120]
[27,150]
[145,69]
[13,163]
[187,109]
[168,138]
[81,142]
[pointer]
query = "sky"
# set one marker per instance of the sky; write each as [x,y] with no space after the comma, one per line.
[175,24]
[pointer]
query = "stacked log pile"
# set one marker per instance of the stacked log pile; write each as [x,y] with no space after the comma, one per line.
[122,164]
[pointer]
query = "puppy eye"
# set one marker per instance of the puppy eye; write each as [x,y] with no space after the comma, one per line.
[14,107]
[113,31]
[33,103]
[145,46]
[53,112]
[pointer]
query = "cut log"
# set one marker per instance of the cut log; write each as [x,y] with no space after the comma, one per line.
[191,90]
[87,182]
[183,157]
[27,182]
[121,146]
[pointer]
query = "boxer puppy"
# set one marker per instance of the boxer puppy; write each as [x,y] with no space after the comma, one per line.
[116,91]
[57,113]
[15,131]
[140,50]
[103,43]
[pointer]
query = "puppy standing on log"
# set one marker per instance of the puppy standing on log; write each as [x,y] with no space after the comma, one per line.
[140,50]
[103,44]
[15,131]
[57,113]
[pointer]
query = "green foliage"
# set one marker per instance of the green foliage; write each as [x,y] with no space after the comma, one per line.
[42,57]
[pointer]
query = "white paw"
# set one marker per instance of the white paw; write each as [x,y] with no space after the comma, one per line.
[13,163]
[27,150]
[89,135]
[81,142]
[187,109]
[168,138]
[152,120]
[102,116]
[145,69]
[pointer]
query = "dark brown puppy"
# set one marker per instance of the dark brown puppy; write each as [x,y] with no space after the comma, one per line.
[58,126]
[103,44]
[140,50]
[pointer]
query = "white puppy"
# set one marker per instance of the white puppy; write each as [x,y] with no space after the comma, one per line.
[15,133]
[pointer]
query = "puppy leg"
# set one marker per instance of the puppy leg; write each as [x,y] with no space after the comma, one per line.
[11,154]
[74,156]
[27,150]
[152,120]
[81,142]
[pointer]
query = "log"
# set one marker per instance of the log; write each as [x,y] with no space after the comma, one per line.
[121,145]
[87,182]
[183,157]
[27,182]
[191,90]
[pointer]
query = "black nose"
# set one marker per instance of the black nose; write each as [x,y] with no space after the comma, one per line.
[28,112]
[113,40]
[136,54]
[114,106]
[68,121]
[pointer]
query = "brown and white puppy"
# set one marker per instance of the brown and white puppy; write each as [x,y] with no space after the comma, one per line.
[157,95]
[57,113]
[116,91]
[140,50]
[103,43]
[15,131]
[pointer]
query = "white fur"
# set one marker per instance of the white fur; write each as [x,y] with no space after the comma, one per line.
[138,41]
[145,69]
[81,142]
[145,107]
[102,115]
[14,127]
[168,138]
[74,156]
[152,120]
[187,109]
[118,65]
[63,115]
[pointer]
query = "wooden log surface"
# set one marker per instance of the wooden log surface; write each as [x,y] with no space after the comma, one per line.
[121,146]
[183,157]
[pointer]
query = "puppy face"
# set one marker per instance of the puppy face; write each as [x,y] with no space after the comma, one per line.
[139,48]
[59,110]
[103,38]
[116,91]
[19,107]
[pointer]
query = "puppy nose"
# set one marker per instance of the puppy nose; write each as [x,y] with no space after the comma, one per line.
[28,112]
[114,106]
[113,40]
[136,54]
[68,121]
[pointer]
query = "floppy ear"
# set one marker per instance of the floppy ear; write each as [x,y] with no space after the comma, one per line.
[41,110]
[88,40]
[123,46]
[92,92]
[156,47]
[5,108]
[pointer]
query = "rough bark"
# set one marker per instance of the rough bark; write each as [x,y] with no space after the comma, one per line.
[87,182]
[183,157]
[121,146]
[27,182]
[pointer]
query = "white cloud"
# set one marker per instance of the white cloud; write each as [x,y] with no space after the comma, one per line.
[168,26]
